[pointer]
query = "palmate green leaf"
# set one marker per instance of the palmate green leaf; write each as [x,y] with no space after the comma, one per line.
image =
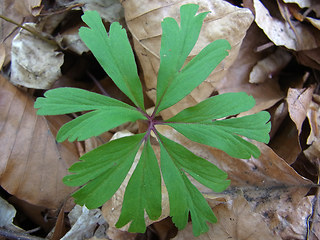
[215,107]
[69,100]
[114,54]
[97,122]
[224,134]
[143,192]
[104,168]
[108,112]
[175,83]
[184,197]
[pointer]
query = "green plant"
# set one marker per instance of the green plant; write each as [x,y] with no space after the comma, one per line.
[103,169]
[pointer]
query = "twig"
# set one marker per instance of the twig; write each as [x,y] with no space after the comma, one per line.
[98,84]
[32,31]
[17,235]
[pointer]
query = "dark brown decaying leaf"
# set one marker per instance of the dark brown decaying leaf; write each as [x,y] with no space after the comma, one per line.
[32,163]
[286,141]
[281,30]
[237,78]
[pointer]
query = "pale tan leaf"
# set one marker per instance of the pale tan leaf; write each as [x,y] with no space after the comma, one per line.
[237,78]
[32,163]
[292,35]
[110,10]
[144,22]
[298,103]
[28,7]
[7,213]
[269,66]
[313,115]
[84,223]
[35,63]
[315,22]
[313,4]
[236,221]
[2,54]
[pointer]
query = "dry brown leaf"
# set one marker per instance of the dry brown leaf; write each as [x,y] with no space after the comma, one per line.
[28,7]
[236,220]
[110,10]
[278,114]
[144,22]
[310,58]
[116,234]
[237,78]
[32,163]
[35,63]
[314,22]
[269,66]
[313,4]
[269,184]
[298,104]
[292,35]
[286,141]
[84,223]
[2,54]
[313,115]
[18,11]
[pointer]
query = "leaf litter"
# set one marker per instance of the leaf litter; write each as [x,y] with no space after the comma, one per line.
[273,193]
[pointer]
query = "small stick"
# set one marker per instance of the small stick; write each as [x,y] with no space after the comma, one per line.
[17,235]
[98,84]
[34,32]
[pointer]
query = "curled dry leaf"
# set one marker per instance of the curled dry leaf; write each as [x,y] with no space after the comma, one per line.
[28,7]
[224,21]
[286,141]
[298,104]
[7,213]
[267,93]
[269,66]
[269,184]
[84,223]
[292,35]
[313,4]
[2,54]
[32,162]
[18,11]
[313,115]
[310,58]
[236,221]
[35,63]
[109,10]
